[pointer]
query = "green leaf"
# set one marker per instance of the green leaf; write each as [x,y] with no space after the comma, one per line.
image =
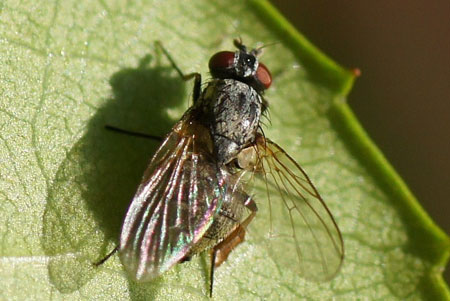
[70,67]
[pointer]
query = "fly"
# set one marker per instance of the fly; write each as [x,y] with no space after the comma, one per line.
[194,194]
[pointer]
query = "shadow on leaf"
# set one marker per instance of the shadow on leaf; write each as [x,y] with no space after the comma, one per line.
[95,183]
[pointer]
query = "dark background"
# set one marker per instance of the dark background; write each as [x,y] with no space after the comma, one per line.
[403,96]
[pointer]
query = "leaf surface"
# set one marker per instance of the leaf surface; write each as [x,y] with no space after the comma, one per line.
[70,67]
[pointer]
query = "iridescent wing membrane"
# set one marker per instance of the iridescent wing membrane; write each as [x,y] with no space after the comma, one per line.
[175,204]
[303,233]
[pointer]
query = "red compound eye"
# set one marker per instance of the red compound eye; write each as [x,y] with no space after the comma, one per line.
[263,75]
[221,60]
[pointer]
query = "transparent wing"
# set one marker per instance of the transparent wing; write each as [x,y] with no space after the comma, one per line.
[173,206]
[304,234]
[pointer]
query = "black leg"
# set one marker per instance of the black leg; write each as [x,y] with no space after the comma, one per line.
[135,134]
[197,76]
[211,275]
[184,259]
[101,261]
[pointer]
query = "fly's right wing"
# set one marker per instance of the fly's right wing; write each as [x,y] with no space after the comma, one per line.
[304,234]
[174,205]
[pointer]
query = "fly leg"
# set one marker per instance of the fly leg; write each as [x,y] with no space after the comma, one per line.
[101,261]
[224,248]
[131,133]
[195,93]
[221,251]
[195,75]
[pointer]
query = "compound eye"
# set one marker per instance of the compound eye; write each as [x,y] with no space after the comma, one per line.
[263,75]
[221,60]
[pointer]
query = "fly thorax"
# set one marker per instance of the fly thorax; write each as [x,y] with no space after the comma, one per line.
[234,110]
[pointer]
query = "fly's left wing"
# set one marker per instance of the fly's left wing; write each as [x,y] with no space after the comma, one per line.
[174,206]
